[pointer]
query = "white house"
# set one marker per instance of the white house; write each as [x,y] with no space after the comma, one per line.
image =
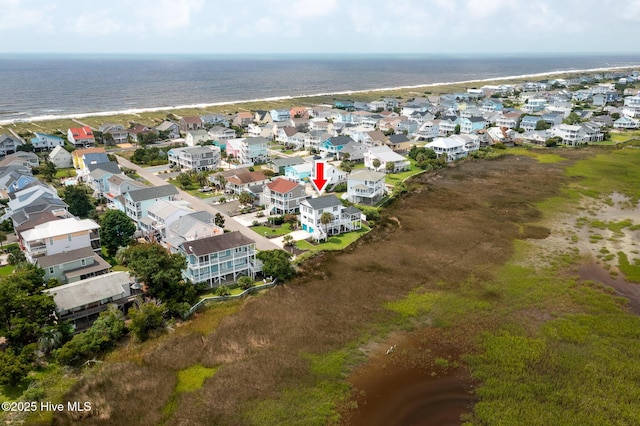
[81,136]
[61,157]
[452,148]
[570,134]
[385,155]
[60,236]
[195,137]
[195,157]
[343,219]
[365,187]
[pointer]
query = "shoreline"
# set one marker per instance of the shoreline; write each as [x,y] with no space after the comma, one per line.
[169,108]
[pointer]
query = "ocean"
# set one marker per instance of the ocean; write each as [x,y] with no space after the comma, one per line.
[38,87]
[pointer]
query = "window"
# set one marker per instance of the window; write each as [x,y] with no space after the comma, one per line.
[68,237]
[83,262]
[51,270]
[50,241]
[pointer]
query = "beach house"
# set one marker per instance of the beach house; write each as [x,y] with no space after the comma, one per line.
[365,187]
[81,136]
[339,219]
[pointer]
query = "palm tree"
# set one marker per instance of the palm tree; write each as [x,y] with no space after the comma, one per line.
[326,218]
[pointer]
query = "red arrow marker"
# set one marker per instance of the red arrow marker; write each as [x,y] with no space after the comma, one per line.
[320,182]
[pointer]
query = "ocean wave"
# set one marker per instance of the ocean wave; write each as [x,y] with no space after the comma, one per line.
[133,111]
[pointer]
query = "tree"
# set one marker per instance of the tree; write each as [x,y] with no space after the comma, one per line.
[456,129]
[390,167]
[146,317]
[245,282]
[346,166]
[288,241]
[326,218]
[78,199]
[116,230]
[48,170]
[25,311]
[162,274]
[184,180]
[3,238]
[202,177]
[222,290]
[276,264]
[108,139]
[572,118]
[14,367]
[218,220]
[542,125]
[101,336]
[245,198]
[375,163]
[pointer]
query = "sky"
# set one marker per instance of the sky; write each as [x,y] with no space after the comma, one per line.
[319,26]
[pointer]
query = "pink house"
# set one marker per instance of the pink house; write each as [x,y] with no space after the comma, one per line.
[234,147]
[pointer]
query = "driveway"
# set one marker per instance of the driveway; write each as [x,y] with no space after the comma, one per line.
[230,223]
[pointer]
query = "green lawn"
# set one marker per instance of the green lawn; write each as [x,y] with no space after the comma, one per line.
[396,178]
[273,232]
[65,173]
[336,242]
[6,270]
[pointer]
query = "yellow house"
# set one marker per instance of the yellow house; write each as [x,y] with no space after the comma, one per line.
[77,154]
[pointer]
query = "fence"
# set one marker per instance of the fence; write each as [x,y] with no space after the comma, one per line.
[250,290]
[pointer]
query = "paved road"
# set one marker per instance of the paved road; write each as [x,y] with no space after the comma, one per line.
[230,223]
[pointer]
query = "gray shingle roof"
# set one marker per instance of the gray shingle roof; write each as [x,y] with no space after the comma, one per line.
[324,202]
[216,243]
[152,192]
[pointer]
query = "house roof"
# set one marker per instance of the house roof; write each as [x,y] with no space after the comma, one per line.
[244,178]
[340,140]
[84,292]
[65,257]
[398,138]
[366,175]
[57,151]
[256,141]
[192,120]
[377,136]
[323,202]
[445,143]
[110,166]
[282,186]
[165,208]
[151,192]
[287,161]
[289,130]
[83,132]
[80,152]
[385,153]
[165,125]
[216,243]
[59,227]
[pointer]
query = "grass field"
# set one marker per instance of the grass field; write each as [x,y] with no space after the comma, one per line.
[335,242]
[268,231]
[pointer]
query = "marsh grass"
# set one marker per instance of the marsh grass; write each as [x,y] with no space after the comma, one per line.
[447,255]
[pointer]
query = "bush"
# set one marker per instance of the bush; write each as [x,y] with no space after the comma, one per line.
[245,282]
[102,335]
[146,317]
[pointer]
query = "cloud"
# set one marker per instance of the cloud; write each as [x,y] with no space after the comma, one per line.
[303,9]
[16,15]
